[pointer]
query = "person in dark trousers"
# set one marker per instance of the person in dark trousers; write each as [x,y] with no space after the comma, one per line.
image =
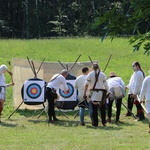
[56,82]
[96,81]
[134,87]
[117,92]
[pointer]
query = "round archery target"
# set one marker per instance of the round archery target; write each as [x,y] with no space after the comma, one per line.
[33,90]
[67,95]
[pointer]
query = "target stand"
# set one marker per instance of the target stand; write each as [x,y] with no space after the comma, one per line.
[33,90]
[67,101]
[33,93]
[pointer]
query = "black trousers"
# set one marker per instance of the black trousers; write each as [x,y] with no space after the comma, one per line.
[118,107]
[51,104]
[130,103]
[95,114]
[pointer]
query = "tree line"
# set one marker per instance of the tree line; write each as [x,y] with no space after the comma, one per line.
[51,18]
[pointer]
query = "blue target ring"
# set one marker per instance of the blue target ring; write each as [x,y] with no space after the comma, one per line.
[33,90]
[71,91]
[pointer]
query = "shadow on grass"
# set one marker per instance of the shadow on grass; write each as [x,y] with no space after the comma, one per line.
[38,121]
[105,127]
[5,124]
[41,112]
[27,112]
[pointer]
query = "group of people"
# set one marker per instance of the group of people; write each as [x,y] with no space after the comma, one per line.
[102,92]
[99,91]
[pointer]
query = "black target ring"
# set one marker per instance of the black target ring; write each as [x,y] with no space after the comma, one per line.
[33,91]
[71,91]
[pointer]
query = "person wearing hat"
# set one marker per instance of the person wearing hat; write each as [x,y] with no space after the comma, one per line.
[96,82]
[56,82]
[117,92]
[3,85]
[134,87]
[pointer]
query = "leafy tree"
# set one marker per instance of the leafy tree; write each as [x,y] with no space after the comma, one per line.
[130,17]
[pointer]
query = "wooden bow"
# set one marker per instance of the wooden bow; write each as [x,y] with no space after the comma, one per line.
[10,69]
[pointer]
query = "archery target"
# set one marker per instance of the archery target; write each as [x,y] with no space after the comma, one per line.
[71,96]
[67,95]
[34,91]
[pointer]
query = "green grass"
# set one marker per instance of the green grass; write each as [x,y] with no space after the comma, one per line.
[25,131]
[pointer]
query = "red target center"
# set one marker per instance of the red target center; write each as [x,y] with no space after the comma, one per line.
[34,91]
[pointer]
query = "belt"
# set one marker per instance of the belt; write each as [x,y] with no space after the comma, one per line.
[103,90]
[96,102]
[2,86]
[51,89]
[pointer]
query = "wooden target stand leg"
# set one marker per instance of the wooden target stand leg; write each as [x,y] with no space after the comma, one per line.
[15,110]
[57,108]
[42,111]
[76,114]
[63,113]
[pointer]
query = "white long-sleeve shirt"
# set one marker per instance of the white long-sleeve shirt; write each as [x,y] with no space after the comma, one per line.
[80,86]
[115,81]
[145,90]
[135,82]
[59,82]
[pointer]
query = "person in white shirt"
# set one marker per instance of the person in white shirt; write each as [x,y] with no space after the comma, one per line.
[80,85]
[3,85]
[96,81]
[56,82]
[145,94]
[117,83]
[134,87]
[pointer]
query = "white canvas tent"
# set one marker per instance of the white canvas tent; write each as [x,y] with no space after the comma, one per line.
[22,72]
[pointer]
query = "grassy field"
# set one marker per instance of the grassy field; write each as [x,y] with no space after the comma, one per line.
[25,131]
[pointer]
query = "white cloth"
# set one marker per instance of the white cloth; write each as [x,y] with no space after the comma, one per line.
[115,81]
[3,94]
[135,82]
[80,86]
[116,87]
[145,93]
[59,82]
[2,82]
[101,84]
[147,105]
[2,77]
[145,90]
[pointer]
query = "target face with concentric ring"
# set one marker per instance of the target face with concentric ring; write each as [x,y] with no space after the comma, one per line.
[33,90]
[67,95]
